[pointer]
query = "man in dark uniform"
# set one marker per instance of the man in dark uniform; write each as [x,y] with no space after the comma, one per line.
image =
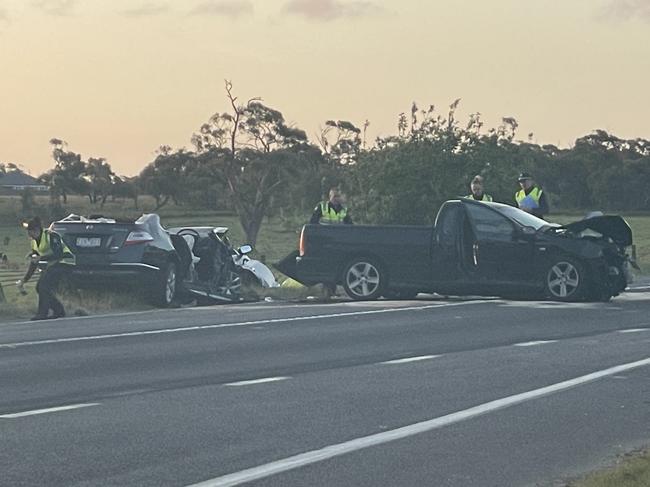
[48,247]
[531,198]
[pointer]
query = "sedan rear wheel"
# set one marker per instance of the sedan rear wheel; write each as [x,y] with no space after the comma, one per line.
[167,286]
[363,279]
[565,280]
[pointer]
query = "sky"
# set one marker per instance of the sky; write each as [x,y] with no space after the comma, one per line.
[119,78]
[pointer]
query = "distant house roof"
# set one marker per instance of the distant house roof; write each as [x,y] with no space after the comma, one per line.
[18,178]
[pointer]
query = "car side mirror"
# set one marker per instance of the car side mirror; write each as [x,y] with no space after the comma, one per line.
[528,232]
[245,249]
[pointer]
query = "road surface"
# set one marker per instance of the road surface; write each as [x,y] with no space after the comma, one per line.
[436,392]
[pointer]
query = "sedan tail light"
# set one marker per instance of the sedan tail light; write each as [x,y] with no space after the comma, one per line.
[138,237]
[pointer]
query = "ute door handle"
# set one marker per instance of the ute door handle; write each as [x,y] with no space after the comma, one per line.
[475,253]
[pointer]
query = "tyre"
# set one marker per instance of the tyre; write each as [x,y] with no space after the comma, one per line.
[565,280]
[166,288]
[363,279]
[232,287]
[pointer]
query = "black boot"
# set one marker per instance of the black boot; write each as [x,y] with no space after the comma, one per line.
[57,309]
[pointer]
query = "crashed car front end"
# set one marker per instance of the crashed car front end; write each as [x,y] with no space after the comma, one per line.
[612,265]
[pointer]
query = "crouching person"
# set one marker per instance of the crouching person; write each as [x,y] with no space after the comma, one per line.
[47,246]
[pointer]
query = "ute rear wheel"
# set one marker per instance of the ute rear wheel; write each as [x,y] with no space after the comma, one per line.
[565,280]
[363,279]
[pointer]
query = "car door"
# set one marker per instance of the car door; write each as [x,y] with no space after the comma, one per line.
[445,259]
[500,252]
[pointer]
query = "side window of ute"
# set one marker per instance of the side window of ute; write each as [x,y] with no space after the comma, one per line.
[490,225]
[447,225]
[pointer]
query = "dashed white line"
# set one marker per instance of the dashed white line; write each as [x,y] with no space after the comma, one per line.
[534,343]
[256,381]
[231,325]
[634,330]
[47,411]
[407,360]
[335,450]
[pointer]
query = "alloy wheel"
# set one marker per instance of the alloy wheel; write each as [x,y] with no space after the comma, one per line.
[562,280]
[362,279]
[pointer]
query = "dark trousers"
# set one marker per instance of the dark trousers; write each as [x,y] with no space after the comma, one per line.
[46,287]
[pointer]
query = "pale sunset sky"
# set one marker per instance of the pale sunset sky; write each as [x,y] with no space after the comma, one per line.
[118,78]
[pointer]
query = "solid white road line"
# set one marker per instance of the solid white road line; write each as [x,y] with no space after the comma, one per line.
[231,325]
[409,359]
[634,330]
[48,410]
[356,444]
[533,344]
[256,381]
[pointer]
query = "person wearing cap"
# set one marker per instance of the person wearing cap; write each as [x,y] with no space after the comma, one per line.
[531,198]
[47,246]
[476,188]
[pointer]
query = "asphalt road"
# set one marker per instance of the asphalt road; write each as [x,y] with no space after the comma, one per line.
[427,392]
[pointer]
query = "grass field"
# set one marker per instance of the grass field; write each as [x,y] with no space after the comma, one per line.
[632,471]
[276,239]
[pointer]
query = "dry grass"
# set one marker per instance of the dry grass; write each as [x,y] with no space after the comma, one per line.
[631,471]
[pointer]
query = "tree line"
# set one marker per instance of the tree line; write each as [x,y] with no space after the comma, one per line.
[249,160]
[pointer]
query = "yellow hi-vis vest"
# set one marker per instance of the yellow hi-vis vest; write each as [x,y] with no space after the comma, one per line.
[328,215]
[44,249]
[486,197]
[530,200]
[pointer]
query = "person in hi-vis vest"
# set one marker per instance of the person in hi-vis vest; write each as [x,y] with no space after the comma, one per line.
[332,211]
[531,198]
[47,246]
[476,188]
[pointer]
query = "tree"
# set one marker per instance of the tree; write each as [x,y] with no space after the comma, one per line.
[124,187]
[341,142]
[167,176]
[252,149]
[67,176]
[99,176]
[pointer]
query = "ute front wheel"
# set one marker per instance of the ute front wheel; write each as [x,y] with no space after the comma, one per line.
[565,280]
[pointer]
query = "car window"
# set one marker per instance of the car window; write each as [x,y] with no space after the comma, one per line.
[490,225]
[447,224]
[526,219]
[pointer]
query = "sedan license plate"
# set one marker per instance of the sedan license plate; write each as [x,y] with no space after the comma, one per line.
[88,242]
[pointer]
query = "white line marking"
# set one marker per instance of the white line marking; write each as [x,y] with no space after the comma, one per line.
[409,359]
[256,381]
[48,410]
[533,344]
[231,325]
[634,330]
[356,444]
